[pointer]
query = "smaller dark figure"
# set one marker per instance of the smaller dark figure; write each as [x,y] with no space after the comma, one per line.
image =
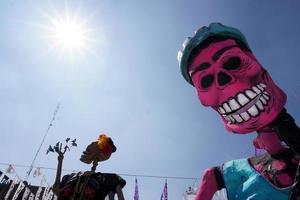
[91,185]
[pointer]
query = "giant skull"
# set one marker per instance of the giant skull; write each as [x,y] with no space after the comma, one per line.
[230,80]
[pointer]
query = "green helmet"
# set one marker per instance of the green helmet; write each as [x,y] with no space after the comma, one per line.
[214,29]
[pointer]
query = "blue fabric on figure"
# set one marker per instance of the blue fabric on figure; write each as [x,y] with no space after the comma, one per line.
[244,183]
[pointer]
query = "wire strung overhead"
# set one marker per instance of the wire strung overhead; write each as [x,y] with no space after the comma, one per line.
[134,175]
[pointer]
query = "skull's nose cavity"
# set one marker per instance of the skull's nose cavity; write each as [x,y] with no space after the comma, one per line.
[223,78]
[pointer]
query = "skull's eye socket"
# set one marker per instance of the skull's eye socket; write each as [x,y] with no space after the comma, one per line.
[232,63]
[206,81]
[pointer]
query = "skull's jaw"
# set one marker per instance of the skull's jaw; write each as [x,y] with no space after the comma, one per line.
[253,108]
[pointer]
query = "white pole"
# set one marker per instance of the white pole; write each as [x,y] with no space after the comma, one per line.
[42,142]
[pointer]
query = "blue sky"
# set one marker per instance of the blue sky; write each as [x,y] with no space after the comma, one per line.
[130,86]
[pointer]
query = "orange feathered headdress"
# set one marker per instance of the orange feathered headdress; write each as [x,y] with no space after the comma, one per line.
[99,150]
[106,144]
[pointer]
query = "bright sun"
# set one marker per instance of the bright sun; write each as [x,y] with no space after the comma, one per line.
[68,32]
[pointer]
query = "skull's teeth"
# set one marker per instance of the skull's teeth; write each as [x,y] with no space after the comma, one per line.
[263,100]
[253,111]
[232,110]
[242,99]
[227,108]
[238,118]
[221,110]
[245,116]
[259,105]
[251,94]
[234,104]
[256,90]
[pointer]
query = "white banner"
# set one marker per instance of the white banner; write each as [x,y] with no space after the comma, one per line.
[17,186]
[11,187]
[38,193]
[31,196]
[5,179]
[19,190]
[26,193]
[45,193]
[50,195]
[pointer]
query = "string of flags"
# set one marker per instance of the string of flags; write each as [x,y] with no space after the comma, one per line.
[37,173]
[10,169]
[121,174]
[17,188]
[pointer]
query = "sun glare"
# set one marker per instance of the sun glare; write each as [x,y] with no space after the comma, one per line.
[68,32]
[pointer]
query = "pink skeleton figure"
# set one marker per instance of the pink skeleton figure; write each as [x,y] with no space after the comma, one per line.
[232,82]
[229,79]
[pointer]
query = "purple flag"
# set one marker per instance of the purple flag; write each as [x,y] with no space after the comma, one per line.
[164,195]
[136,191]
